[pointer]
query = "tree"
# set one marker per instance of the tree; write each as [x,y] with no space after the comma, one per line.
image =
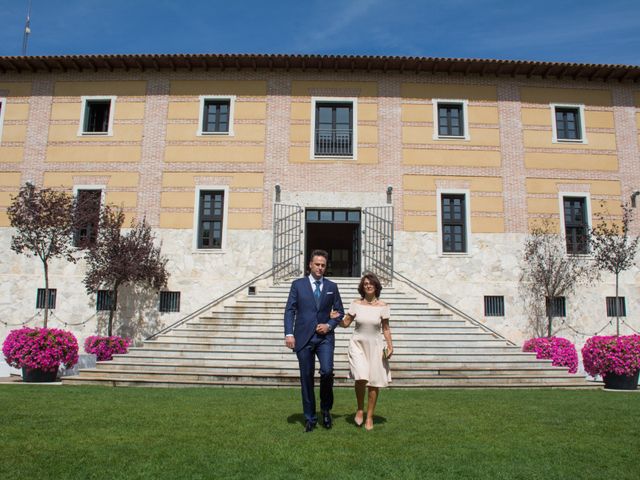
[44,223]
[613,248]
[549,272]
[118,259]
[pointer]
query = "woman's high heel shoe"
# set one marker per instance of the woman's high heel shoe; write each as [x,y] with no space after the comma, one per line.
[355,420]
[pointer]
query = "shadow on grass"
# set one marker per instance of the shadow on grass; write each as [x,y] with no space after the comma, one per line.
[348,418]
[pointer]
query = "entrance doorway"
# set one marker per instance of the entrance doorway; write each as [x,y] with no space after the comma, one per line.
[337,232]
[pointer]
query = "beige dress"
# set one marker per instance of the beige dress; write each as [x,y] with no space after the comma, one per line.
[367,343]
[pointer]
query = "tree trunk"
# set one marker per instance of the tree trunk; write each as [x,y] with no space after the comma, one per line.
[46,294]
[549,326]
[112,308]
[617,310]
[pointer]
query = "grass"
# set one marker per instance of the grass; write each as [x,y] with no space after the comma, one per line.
[114,433]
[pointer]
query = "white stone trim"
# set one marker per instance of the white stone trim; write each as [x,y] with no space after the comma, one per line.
[205,98]
[583,130]
[587,205]
[225,219]
[3,107]
[83,110]
[465,119]
[467,214]
[354,139]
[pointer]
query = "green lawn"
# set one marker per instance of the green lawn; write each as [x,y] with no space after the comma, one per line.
[51,432]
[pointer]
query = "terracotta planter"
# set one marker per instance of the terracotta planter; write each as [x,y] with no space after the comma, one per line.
[35,375]
[621,382]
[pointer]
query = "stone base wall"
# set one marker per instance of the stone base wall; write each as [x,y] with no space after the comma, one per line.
[200,277]
[491,268]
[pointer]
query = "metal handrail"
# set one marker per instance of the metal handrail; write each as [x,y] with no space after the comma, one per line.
[448,306]
[210,305]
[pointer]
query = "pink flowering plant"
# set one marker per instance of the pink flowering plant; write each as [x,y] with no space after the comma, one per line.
[560,351]
[105,347]
[40,348]
[619,355]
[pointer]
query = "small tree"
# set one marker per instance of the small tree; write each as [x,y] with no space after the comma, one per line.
[118,259]
[44,222]
[613,248]
[549,272]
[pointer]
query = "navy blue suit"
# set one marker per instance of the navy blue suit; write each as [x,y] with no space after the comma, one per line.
[300,319]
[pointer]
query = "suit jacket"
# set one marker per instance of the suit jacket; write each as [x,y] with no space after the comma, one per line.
[301,314]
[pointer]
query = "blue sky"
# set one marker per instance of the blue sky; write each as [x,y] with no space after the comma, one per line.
[587,31]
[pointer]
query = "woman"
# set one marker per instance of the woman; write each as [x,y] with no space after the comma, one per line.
[368,354]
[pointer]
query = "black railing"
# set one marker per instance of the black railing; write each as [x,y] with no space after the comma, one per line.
[334,142]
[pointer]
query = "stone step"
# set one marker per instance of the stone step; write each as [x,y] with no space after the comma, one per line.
[452,348]
[272,338]
[217,318]
[165,375]
[340,370]
[248,309]
[341,363]
[212,331]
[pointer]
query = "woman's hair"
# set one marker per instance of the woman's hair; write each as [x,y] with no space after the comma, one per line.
[374,281]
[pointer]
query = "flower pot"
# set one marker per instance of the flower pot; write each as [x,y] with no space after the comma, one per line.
[36,375]
[621,382]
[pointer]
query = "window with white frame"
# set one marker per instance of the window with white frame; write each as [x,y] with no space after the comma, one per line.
[216,115]
[453,221]
[211,217]
[450,119]
[575,220]
[3,105]
[333,125]
[97,116]
[568,123]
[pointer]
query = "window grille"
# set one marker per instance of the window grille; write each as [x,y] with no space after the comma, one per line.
[169,301]
[103,300]
[494,306]
[556,307]
[619,310]
[40,298]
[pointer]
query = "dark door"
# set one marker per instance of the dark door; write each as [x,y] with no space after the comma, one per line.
[337,232]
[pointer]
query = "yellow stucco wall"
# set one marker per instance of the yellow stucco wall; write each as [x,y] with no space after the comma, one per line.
[420,202]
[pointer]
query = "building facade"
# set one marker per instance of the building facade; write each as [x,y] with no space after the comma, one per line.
[460,157]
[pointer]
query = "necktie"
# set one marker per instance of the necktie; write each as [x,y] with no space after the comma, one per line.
[316,293]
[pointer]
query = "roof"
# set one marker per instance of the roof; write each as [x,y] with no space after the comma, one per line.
[337,63]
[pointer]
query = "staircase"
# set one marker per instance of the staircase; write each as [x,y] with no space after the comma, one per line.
[242,344]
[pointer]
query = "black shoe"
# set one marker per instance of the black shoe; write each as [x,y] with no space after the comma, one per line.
[326,419]
[309,426]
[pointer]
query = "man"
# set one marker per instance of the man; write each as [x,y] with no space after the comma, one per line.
[309,331]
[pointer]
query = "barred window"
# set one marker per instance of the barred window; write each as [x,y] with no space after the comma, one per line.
[616,309]
[556,307]
[494,306]
[334,129]
[169,301]
[103,300]
[40,298]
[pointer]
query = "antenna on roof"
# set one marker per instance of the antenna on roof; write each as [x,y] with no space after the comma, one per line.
[27,31]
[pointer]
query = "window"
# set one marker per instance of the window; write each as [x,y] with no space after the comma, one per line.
[97,115]
[555,307]
[494,306]
[616,309]
[216,115]
[40,298]
[450,119]
[3,103]
[210,218]
[454,221]
[568,124]
[333,128]
[575,224]
[87,217]
[103,300]
[169,301]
